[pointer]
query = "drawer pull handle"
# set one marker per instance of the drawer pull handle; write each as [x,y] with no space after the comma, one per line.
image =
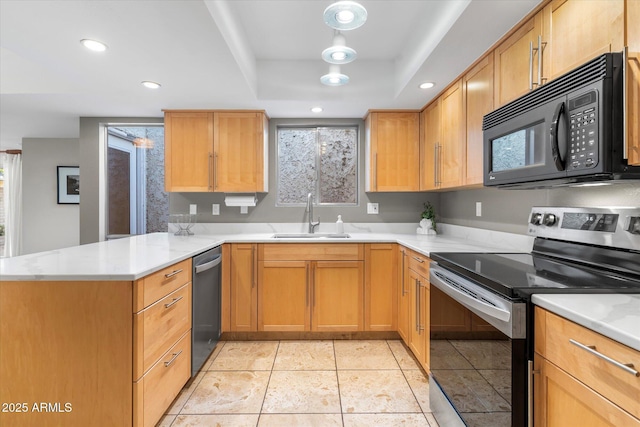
[168,275]
[175,300]
[628,367]
[418,259]
[173,359]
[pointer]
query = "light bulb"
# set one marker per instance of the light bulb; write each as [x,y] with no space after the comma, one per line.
[345,16]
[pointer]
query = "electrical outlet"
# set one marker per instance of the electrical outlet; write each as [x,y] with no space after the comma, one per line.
[193,209]
[478,208]
[372,208]
[215,209]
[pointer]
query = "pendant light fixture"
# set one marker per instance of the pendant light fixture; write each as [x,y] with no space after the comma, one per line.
[339,53]
[345,15]
[335,77]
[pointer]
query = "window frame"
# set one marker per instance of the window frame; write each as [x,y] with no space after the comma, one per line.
[315,127]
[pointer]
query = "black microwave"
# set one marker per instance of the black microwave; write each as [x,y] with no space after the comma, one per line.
[568,131]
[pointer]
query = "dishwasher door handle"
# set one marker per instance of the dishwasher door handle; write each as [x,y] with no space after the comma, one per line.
[209,265]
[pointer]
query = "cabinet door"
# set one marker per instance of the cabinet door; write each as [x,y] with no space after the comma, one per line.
[380,291]
[337,296]
[561,400]
[452,154]
[394,150]
[239,151]
[244,292]
[404,296]
[188,151]
[418,327]
[430,146]
[514,61]
[633,81]
[283,296]
[478,94]
[576,31]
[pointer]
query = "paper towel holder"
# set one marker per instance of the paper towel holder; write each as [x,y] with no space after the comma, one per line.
[243,200]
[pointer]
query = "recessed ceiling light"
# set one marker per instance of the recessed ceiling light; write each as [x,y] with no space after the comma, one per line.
[334,79]
[150,84]
[427,85]
[94,45]
[339,53]
[345,15]
[316,110]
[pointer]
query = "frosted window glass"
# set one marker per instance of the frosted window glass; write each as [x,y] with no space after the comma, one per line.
[322,161]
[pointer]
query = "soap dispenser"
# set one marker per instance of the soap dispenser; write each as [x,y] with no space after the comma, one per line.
[339,225]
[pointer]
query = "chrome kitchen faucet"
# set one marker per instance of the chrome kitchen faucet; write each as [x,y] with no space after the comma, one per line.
[312,225]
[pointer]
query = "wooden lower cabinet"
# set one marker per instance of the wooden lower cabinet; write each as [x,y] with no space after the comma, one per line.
[94,353]
[380,287]
[419,319]
[243,288]
[310,296]
[572,385]
[283,293]
[404,295]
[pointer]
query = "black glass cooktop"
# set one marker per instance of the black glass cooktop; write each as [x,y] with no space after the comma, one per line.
[518,275]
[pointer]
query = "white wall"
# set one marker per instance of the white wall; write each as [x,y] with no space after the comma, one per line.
[47,225]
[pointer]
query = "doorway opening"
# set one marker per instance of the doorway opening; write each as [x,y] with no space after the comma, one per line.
[136,200]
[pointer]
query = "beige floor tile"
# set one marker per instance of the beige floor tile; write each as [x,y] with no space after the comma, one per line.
[239,392]
[402,355]
[185,394]
[385,420]
[245,356]
[244,420]
[364,355]
[295,420]
[432,420]
[375,391]
[166,421]
[214,354]
[302,392]
[420,386]
[305,355]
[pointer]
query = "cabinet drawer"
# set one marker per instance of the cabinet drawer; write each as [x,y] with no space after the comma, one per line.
[311,252]
[159,326]
[153,394]
[564,347]
[419,263]
[151,288]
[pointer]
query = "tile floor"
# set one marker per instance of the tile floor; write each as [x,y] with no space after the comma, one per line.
[305,383]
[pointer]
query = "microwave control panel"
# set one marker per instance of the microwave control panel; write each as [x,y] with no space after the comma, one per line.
[583,132]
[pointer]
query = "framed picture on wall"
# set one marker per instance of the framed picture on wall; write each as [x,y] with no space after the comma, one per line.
[68,185]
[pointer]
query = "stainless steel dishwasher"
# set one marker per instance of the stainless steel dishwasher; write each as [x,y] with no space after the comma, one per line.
[205,326]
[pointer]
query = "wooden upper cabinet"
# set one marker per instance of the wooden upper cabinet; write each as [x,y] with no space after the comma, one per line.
[478,101]
[429,146]
[515,63]
[188,151]
[393,148]
[224,151]
[239,151]
[632,44]
[452,154]
[576,31]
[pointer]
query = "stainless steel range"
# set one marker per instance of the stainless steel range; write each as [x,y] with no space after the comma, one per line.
[482,356]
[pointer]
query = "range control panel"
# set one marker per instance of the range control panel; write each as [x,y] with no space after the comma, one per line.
[614,227]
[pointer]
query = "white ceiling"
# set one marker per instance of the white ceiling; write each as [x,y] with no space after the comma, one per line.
[244,54]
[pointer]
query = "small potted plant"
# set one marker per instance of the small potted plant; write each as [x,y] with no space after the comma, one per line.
[428,221]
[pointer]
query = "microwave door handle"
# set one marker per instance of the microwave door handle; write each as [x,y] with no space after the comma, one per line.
[555,140]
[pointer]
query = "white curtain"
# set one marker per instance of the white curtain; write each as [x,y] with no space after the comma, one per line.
[12,204]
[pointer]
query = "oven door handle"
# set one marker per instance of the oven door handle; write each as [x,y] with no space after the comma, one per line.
[458,293]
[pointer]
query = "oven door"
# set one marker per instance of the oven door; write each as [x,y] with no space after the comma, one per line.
[478,354]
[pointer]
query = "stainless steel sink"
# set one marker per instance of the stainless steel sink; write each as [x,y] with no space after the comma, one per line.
[310,236]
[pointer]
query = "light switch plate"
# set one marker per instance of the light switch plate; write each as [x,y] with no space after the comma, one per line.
[193,209]
[478,208]
[372,208]
[215,209]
